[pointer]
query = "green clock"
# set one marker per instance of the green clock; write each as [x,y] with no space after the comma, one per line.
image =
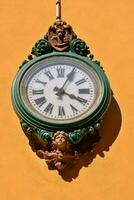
[61,90]
[60,95]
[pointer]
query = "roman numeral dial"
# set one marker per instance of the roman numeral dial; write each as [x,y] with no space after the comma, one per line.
[60,91]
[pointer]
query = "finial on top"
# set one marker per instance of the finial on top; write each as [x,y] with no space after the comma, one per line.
[60,34]
[58,9]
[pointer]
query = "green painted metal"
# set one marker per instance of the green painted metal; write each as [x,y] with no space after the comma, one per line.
[92,120]
[79,47]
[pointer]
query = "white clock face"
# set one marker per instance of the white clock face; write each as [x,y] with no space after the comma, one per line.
[61,89]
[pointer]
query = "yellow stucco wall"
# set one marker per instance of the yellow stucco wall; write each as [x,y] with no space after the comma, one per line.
[108,27]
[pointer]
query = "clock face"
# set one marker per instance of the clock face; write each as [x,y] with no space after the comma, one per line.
[61,89]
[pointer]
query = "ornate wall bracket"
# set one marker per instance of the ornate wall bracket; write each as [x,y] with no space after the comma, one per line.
[59,149]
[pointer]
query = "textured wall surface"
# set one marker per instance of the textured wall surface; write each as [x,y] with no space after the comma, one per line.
[108,28]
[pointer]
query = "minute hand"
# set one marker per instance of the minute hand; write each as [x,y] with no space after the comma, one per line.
[69,78]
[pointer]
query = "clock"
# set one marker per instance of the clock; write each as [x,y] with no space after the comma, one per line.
[61,90]
[60,95]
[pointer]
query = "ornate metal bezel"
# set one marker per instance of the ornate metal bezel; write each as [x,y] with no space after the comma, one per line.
[33,120]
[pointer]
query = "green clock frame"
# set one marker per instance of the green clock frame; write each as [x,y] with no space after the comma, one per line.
[75,130]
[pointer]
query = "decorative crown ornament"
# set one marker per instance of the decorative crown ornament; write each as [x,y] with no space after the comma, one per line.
[61,95]
[60,35]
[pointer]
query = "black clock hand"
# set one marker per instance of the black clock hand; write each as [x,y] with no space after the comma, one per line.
[72,96]
[69,77]
[60,91]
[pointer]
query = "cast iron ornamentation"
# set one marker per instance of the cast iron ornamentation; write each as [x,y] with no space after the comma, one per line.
[79,46]
[41,47]
[59,149]
[60,35]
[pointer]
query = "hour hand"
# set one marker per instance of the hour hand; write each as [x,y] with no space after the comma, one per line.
[72,96]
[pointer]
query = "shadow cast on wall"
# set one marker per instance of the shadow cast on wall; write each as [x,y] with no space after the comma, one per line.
[109,133]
